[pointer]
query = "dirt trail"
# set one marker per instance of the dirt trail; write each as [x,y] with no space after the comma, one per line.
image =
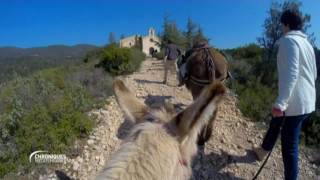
[226,156]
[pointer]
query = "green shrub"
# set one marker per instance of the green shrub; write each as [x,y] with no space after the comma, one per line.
[96,82]
[241,70]
[118,61]
[255,99]
[250,51]
[311,130]
[255,81]
[159,55]
[136,59]
[47,111]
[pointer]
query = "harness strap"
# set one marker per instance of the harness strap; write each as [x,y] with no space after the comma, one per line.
[208,60]
[210,68]
[209,64]
[199,82]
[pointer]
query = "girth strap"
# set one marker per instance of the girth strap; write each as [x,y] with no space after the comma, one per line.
[199,82]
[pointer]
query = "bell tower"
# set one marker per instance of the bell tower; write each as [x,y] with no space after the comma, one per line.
[152,32]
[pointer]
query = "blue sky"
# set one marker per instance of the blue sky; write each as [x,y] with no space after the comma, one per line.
[228,23]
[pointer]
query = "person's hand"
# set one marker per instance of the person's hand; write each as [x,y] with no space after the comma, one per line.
[276,112]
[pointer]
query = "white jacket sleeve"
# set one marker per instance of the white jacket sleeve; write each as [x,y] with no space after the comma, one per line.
[288,72]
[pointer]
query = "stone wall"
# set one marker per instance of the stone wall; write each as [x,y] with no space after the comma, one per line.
[128,41]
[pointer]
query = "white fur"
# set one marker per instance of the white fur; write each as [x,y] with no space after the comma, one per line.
[162,149]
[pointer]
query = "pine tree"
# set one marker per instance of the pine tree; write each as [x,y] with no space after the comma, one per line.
[199,36]
[171,32]
[190,33]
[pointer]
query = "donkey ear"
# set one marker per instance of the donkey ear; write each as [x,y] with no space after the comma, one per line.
[131,106]
[190,121]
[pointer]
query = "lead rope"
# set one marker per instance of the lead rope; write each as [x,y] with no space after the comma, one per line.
[267,158]
[210,65]
[262,166]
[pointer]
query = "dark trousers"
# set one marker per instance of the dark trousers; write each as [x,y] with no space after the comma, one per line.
[290,128]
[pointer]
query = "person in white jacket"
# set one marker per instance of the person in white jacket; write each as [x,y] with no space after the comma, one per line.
[297,73]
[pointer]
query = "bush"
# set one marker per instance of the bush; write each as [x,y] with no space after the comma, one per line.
[136,59]
[47,111]
[311,130]
[250,51]
[96,82]
[241,70]
[119,61]
[255,81]
[159,55]
[255,99]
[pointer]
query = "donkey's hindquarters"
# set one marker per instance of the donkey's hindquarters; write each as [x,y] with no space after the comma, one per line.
[204,66]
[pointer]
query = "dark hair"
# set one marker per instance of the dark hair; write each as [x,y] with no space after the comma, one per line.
[169,41]
[292,19]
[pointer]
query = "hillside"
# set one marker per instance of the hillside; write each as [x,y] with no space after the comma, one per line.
[54,51]
[24,61]
[227,155]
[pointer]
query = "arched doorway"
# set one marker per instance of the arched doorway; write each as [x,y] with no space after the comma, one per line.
[151,51]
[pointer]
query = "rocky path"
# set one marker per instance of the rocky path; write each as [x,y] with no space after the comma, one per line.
[226,156]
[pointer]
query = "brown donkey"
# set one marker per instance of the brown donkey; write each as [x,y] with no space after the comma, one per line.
[203,66]
[161,144]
